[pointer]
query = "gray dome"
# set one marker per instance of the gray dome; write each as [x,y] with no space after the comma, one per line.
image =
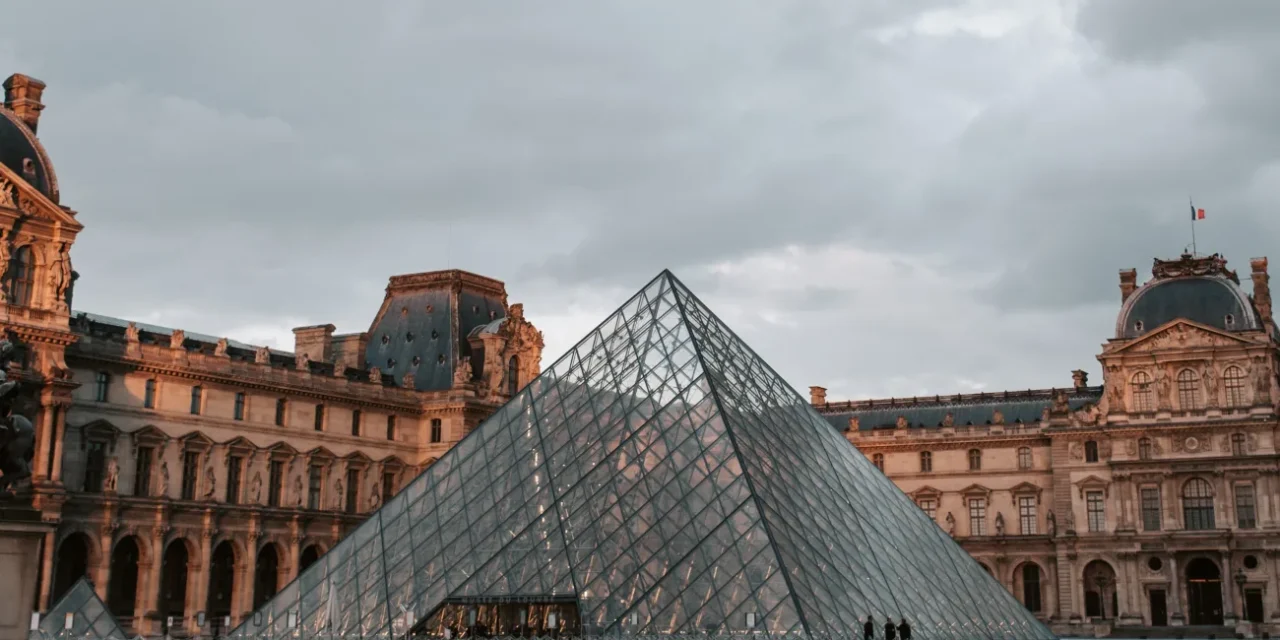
[19,147]
[1212,300]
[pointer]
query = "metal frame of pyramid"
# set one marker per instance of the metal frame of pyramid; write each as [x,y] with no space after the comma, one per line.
[91,620]
[667,480]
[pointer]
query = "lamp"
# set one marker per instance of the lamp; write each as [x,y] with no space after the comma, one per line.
[1101,581]
[1240,579]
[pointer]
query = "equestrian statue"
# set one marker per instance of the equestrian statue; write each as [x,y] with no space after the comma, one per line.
[17,435]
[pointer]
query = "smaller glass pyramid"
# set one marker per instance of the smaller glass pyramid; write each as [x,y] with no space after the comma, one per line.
[90,619]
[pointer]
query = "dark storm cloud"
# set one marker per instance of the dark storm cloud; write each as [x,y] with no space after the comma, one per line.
[922,188]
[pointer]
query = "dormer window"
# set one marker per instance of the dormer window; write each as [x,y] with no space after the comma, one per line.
[1137,325]
[1229,320]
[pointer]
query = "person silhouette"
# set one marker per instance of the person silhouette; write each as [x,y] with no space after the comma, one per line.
[890,629]
[904,630]
[868,629]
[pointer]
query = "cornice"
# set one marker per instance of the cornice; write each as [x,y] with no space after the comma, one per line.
[950,443]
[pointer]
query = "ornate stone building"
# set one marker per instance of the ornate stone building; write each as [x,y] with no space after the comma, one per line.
[191,473]
[1150,501]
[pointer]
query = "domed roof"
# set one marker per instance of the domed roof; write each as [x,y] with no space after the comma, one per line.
[23,154]
[1201,290]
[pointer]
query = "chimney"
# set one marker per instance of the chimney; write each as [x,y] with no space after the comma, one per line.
[315,341]
[22,97]
[817,396]
[1128,282]
[1080,378]
[1261,288]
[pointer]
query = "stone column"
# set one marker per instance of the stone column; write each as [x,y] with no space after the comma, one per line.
[46,570]
[150,600]
[198,581]
[1052,608]
[1226,504]
[1262,500]
[46,438]
[1229,610]
[103,578]
[60,435]
[243,605]
[1174,598]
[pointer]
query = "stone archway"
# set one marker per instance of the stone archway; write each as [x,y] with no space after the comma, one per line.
[72,563]
[1204,593]
[266,578]
[174,579]
[1028,586]
[122,585]
[222,576]
[1099,583]
[309,557]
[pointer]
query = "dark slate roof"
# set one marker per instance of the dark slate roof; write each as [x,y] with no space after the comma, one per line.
[414,336]
[1207,300]
[969,409]
[16,143]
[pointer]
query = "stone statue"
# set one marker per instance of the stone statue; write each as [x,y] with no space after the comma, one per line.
[210,482]
[1044,415]
[408,381]
[1051,523]
[164,480]
[951,524]
[375,497]
[60,272]
[1070,522]
[1210,386]
[17,435]
[220,349]
[297,490]
[1164,390]
[304,362]
[262,355]
[5,239]
[462,374]
[1262,381]
[337,494]
[375,375]
[255,488]
[131,332]
[901,422]
[113,476]
[177,338]
[997,417]
[339,369]
[1060,403]
[999,524]
[6,193]
[949,420]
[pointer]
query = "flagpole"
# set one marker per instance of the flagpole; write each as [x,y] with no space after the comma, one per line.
[1193,225]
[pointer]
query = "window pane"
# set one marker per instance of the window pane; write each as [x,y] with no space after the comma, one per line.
[1096,511]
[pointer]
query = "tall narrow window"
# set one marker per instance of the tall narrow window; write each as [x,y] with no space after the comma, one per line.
[1090,451]
[197,393]
[94,464]
[314,483]
[513,376]
[436,430]
[1096,509]
[1197,505]
[1027,515]
[275,487]
[1140,388]
[975,460]
[102,385]
[319,417]
[239,409]
[1144,448]
[149,398]
[142,472]
[353,490]
[1031,587]
[190,473]
[1188,390]
[355,422]
[388,485]
[878,461]
[930,507]
[1245,516]
[235,464]
[1024,458]
[281,406]
[1233,381]
[977,516]
[926,461]
[391,427]
[22,277]
[1151,509]
[1238,444]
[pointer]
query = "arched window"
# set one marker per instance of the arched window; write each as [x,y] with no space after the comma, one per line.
[1197,505]
[1237,444]
[878,461]
[975,460]
[1024,458]
[1091,451]
[22,277]
[513,376]
[1188,390]
[1030,575]
[926,461]
[1144,448]
[1140,387]
[1233,381]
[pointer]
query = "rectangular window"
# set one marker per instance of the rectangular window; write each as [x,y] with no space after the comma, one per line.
[1096,510]
[149,398]
[319,417]
[436,430]
[142,472]
[977,517]
[353,489]
[95,463]
[275,486]
[1150,509]
[930,508]
[281,407]
[355,422]
[391,427]
[102,379]
[196,394]
[388,485]
[1027,515]
[190,471]
[239,411]
[314,482]
[234,466]
[1245,517]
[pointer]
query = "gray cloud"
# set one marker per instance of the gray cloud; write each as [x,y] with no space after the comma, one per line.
[814,169]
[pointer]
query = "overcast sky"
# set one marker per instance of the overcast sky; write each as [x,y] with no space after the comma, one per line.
[884,197]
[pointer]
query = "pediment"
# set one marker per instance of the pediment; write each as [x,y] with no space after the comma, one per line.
[393,461]
[241,443]
[321,454]
[196,440]
[16,193]
[1026,488]
[1183,334]
[149,434]
[1093,483]
[282,448]
[357,458]
[976,490]
[925,492]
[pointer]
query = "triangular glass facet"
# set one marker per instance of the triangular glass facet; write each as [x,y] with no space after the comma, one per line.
[90,618]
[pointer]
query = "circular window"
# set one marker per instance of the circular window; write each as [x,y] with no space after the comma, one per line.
[391,363]
[1137,325]
[1229,319]
[440,358]
[408,337]
[386,338]
[1154,563]
[1251,562]
[493,314]
[417,361]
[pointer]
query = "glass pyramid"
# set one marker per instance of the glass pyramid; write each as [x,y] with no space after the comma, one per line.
[659,478]
[90,618]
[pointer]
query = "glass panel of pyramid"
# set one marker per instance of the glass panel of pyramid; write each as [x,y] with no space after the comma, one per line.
[90,619]
[659,478]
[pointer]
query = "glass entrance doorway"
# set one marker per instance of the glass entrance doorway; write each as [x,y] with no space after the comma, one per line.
[1204,593]
[507,617]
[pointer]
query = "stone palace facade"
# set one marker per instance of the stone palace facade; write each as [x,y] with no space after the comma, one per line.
[190,473]
[1151,500]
